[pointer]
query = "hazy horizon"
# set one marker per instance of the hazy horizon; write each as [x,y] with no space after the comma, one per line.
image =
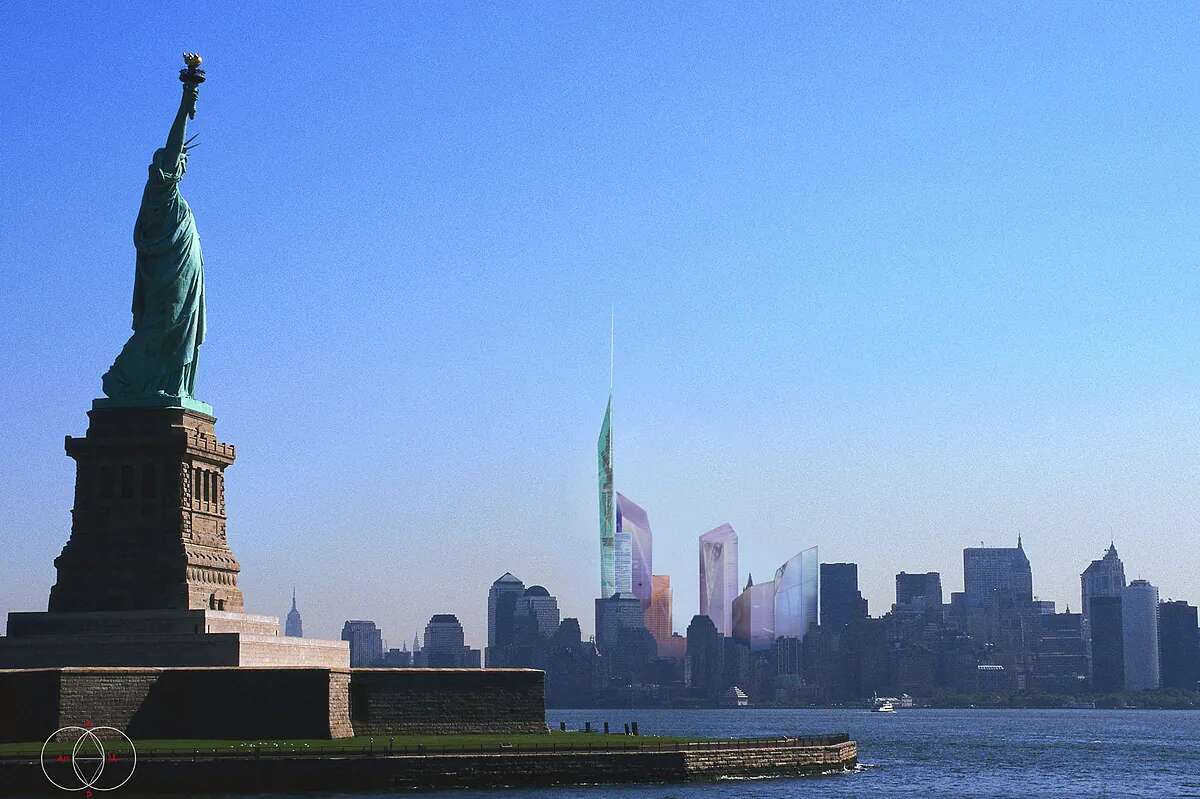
[888,281]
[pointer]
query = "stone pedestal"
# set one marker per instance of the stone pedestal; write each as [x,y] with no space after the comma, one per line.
[147,577]
[146,630]
[160,638]
[148,526]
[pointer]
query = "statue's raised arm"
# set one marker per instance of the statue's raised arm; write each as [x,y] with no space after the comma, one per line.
[176,146]
[157,366]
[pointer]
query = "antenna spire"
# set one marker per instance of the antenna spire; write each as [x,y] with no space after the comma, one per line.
[612,337]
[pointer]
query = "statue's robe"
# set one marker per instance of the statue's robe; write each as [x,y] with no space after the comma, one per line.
[168,297]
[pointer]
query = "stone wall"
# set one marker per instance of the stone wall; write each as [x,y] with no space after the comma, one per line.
[447,701]
[173,703]
[284,703]
[339,705]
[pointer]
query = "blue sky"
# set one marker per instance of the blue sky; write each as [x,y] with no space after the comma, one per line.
[890,280]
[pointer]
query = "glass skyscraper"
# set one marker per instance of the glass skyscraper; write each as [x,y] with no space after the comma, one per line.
[719,576]
[754,616]
[608,527]
[633,527]
[796,595]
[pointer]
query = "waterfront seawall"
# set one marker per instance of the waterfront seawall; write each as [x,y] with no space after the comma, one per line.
[685,763]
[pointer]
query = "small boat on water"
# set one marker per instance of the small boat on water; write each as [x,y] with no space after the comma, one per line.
[884,707]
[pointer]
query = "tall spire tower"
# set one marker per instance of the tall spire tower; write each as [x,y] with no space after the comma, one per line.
[293,625]
[604,463]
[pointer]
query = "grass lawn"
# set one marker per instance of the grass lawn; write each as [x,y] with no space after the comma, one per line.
[358,744]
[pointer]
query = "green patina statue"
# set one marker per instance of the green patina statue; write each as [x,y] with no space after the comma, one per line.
[157,366]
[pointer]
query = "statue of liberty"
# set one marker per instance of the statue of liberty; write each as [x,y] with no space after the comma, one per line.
[157,366]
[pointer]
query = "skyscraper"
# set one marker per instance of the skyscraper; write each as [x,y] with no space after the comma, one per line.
[1108,647]
[538,603]
[444,644]
[994,575]
[501,598]
[924,590]
[1103,577]
[293,626]
[719,576]
[634,524]
[1059,663]
[608,526]
[841,601]
[1139,626]
[366,643]
[1178,646]
[705,659]
[754,616]
[616,613]
[796,594]
[658,615]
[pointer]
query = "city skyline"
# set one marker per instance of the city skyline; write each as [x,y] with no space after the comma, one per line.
[859,312]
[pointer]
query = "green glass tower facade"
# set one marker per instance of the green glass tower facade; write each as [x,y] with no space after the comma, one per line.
[607,514]
[608,526]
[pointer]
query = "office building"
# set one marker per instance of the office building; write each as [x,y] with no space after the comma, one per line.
[502,597]
[1178,646]
[633,525]
[754,616]
[366,643]
[1107,644]
[658,615]
[796,595]
[918,591]
[841,601]
[1103,577]
[1139,627]
[444,644]
[537,603]
[1059,659]
[719,576]
[704,663]
[293,625]
[614,614]
[997,576]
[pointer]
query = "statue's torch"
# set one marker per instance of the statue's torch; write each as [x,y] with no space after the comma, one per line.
[192,74]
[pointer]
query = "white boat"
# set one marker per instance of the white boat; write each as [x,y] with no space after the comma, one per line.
[884,707]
